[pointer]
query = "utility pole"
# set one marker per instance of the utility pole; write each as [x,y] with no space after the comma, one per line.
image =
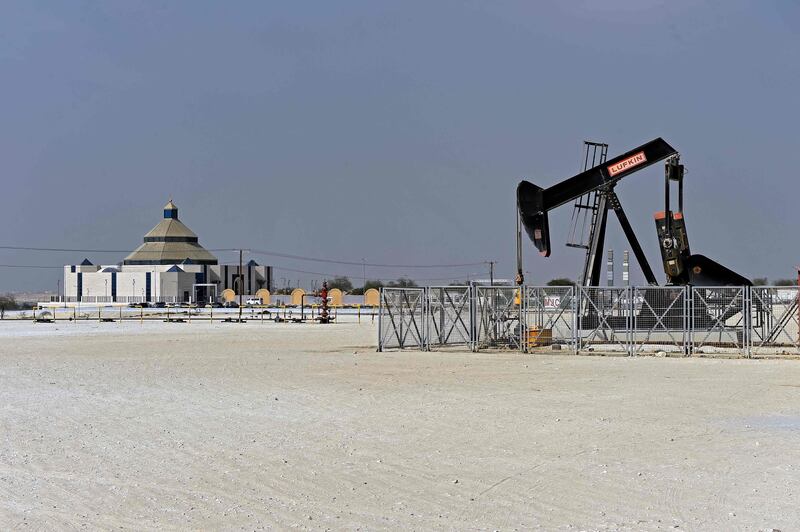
[491,272]
[364,266]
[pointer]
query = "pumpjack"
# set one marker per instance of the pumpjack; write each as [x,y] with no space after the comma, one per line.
[596,185]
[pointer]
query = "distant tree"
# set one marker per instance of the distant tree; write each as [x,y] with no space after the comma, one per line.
[784,282]
[285,291]
[8,302]
[342,283]
[377,285]
[402,282]
[560,281]
[760,281]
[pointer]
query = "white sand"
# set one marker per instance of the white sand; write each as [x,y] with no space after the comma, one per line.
[277,426]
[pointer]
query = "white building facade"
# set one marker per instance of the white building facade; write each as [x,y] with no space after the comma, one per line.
[170,266]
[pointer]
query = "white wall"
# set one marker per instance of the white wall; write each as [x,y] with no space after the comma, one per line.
[165,286]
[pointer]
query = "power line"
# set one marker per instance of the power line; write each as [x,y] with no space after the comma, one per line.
[280,268]
[373,265]
[26,248]
[29,266]
[331,275]
[258,252]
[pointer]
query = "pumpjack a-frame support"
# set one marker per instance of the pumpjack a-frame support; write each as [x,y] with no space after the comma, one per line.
[608,199]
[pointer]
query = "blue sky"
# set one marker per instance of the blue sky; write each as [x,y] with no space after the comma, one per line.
[392,131]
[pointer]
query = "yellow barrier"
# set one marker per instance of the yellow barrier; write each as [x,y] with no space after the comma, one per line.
[539,336]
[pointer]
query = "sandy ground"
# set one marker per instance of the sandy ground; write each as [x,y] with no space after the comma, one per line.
[254,426]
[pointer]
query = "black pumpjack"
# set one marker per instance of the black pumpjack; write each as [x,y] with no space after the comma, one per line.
[680,266]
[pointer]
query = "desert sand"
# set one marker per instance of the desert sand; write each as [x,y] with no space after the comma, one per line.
[280,426]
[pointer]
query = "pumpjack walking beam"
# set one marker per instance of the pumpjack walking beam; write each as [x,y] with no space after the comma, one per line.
[534,203]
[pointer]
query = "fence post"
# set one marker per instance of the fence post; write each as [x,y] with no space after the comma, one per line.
[473,335]
[574,307]
[685,319]
[402,319]
[426,309]
[380,315]
[690,320]
[626,309]
[578,319]
[632,309]
[523,318]
[748,319]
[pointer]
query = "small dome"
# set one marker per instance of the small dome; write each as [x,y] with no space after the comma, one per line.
[170,242]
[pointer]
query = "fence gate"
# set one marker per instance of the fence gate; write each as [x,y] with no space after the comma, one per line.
[449,316]
[497,317]
[605,317]
[660,319]
[401,319]
[549,316]
[775,320]
[720,319]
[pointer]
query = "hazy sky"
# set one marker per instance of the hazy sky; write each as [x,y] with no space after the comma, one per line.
[392,131]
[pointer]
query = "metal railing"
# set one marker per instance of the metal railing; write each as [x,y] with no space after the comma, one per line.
[402,318]
[497,317]
[668,320]
[549,316]
[449,316]
[775,320]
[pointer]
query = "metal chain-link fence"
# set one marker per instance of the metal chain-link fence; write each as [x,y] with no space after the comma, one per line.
[605,319]
[549,317]
[449,316]
[401,321]
[660,319]
[775,320]
[497,317]
[719,319]
[669,320]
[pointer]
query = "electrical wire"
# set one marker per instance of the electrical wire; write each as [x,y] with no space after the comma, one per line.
[332,275]
[261,252]
[29,266]
[280,268]
[59,250]
[370,264]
